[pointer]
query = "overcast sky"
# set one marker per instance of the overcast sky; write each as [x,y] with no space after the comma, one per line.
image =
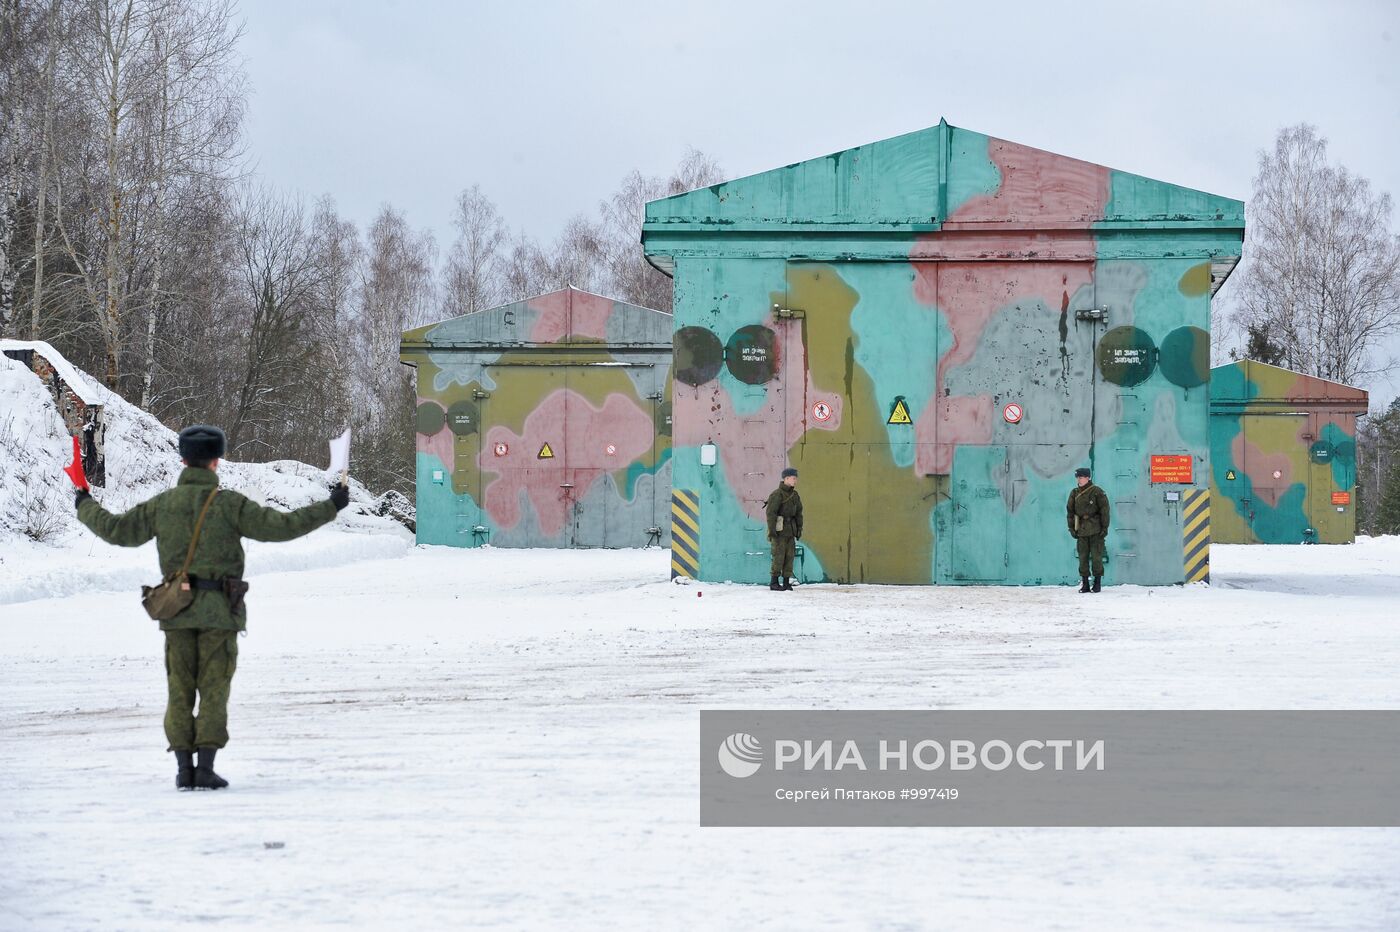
[548,105]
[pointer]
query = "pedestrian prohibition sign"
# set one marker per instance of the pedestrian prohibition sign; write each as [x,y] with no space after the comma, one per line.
[1012,412]
[821,411]
[502,449]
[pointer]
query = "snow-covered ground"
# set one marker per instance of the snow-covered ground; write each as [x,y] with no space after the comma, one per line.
[439,738]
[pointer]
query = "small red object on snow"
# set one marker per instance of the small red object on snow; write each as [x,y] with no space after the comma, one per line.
[75,468]
[698,593]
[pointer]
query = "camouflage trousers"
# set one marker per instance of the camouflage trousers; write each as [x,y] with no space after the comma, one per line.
[1091,549]
[784,549]
[202,661]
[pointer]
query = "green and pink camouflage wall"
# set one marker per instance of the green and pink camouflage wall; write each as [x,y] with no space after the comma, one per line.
[1283,456]
[936,329]
[544,423]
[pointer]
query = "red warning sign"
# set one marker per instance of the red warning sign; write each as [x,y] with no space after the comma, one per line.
[502,449]
[1172,469]
[610,449]
[1341,498]
[821,411]
[1012,413]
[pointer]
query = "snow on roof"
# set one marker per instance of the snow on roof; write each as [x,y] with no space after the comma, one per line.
[65,369]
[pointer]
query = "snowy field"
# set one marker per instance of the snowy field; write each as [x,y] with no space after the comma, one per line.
[439,738]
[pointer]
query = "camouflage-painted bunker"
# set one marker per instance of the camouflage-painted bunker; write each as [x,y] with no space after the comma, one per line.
[936,329]
[544,423]
[1283,456]
[78,405]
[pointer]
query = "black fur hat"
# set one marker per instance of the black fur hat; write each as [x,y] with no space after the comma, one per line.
[1082,472]
[789,472]
[201,443]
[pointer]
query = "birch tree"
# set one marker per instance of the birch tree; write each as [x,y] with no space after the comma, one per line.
[112,62]
[196,111]
[628,274]
[473,270]
[13,56]
[279,278]
[397,294]
[54,38]
[1321,274]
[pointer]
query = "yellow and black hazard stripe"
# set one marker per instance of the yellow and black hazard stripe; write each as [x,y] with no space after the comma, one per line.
[685,534]
[1195,535]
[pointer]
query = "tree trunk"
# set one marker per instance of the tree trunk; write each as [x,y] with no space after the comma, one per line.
[36,305]
[9,197]
[153,306]
[111,322]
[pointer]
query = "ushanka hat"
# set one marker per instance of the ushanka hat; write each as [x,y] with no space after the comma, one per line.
[1082,472]
[202,443]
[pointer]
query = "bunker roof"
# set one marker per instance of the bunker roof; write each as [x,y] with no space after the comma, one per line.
[567,318]
[1248,382]
[939,180]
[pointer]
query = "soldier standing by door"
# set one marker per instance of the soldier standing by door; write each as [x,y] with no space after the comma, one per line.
[1088,525]
[784,529]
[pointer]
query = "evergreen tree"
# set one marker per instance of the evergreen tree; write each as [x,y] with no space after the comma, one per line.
[1386,451]
[1388,513]
[1260,346]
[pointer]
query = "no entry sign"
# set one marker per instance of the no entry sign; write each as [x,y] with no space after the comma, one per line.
[1012,413]
[502,449]
[821,411]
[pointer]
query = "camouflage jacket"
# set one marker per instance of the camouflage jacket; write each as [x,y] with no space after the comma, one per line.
[170,517]
[785,502]
[1087,511]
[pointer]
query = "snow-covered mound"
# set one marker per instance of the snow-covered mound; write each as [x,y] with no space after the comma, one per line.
[36,498]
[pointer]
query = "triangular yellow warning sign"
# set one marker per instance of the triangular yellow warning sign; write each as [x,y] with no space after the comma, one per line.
[546,453]
[1230,474]
[900,414]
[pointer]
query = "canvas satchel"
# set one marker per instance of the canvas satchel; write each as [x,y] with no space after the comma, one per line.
[174,594]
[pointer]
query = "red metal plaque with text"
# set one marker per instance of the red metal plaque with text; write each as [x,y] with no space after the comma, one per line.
[1170,468]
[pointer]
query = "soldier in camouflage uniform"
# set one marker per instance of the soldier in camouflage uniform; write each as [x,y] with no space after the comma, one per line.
[1087,512]
[784,529]
[201,642]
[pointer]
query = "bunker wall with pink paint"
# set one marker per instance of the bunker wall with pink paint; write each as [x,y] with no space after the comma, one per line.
[544,423]
[936,330]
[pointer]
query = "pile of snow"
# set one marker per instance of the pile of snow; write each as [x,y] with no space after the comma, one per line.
[81,385]
[34,448]
[36,498]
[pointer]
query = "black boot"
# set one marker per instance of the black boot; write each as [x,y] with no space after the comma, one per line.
[184,777]
[774,585]
[1097,586]
[1084,586]
[787,584]
[204,776]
